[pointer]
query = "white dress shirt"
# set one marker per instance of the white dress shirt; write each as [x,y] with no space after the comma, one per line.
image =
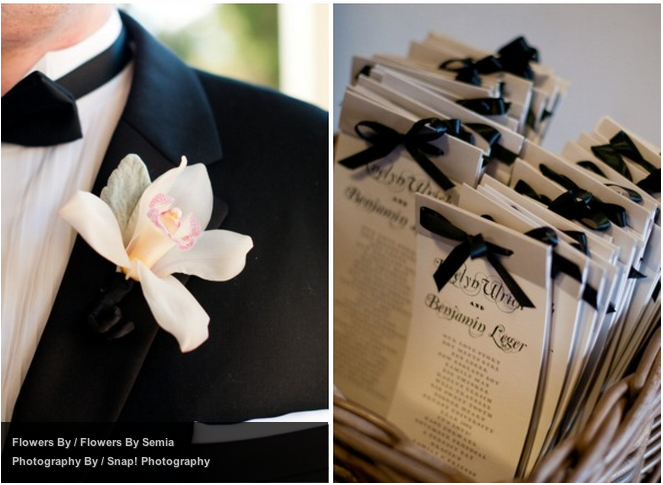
[36,183]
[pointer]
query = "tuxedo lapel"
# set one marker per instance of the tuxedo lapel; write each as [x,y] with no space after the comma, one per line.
[77,375]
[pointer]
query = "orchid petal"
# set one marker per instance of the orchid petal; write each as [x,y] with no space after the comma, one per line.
[216,256]
[161,185]
[174,308]
[96,223]
[199,201]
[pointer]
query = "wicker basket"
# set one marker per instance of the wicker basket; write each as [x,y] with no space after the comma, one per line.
[621,442]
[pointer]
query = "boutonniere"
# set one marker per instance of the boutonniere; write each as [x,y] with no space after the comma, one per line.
[152,230]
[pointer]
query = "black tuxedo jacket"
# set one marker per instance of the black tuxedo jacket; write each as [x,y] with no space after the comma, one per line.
[267,353]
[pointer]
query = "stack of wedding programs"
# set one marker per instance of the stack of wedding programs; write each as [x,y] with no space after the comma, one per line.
[486,291]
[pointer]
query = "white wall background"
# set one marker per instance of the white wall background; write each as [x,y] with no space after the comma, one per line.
[303,51]
[610,53]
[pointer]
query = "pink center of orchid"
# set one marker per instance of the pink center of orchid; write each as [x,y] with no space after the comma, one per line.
[182,231]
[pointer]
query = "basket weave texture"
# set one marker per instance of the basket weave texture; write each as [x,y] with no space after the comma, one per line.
[620,443]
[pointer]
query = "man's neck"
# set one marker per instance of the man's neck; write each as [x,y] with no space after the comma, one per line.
[19,57]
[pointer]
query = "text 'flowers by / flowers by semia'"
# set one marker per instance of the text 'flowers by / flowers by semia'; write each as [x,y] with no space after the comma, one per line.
[152,230]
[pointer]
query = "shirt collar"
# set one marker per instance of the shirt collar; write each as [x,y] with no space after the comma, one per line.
[56,64]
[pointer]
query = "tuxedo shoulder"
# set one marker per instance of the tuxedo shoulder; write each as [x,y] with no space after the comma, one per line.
[238,97]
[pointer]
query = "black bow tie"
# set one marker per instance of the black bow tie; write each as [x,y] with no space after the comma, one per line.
[41,112]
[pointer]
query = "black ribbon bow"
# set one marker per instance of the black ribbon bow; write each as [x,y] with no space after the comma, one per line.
[469,71]
[621,146]
[492,136]
[417,140]
[38,111]
[513,58]
[516,57]
[578,206]
[614,212]
[486,106]
[581,206]
[570,205]
[625,191]
[580,239]
[470,247]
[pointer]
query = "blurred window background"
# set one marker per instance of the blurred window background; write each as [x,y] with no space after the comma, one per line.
[284,46]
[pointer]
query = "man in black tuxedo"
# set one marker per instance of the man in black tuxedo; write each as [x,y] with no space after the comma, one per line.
[267,352]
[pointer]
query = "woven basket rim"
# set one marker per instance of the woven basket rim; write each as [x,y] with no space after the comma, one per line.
[621,436]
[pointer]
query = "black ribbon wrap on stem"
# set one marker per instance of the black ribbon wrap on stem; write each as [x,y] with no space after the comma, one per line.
[417,141]
[105,316]
[513,58]
[469,247]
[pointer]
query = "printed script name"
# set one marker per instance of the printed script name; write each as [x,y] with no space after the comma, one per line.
[505,342]
[491,287]
[474,326]
[395,217]
[404,180]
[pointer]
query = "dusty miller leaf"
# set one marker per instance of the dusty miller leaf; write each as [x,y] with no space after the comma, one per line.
[125,186]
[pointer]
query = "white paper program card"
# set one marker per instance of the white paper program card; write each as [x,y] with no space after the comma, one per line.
[474,355]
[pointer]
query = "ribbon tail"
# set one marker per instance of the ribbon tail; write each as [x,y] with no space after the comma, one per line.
[451,265]
[652,183]
[614,212]
[623,144]
[563,265]
[429,167]
[485,106]
[635,274]
[581,241]
[372,153]
[657,291]
[514,288]
[590,295]
[612,158]
[502,154]
[591,166]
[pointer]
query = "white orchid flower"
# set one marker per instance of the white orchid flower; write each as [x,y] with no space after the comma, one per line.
[152,230]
